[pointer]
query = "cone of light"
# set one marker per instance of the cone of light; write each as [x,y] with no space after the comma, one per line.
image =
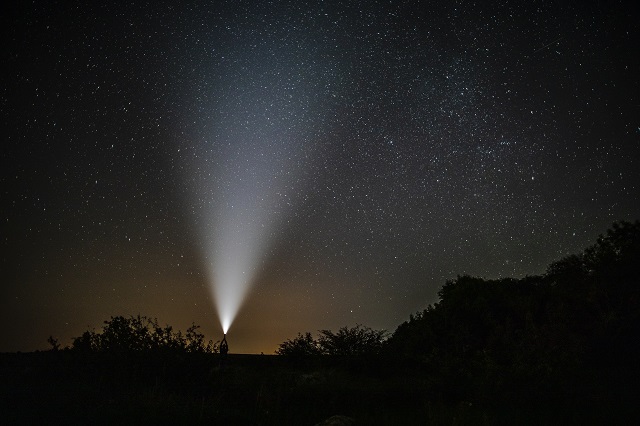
[238,251]
[246,170]
[249,202]
[243,228]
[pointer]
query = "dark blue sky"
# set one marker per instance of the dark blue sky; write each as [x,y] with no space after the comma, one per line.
[380,148]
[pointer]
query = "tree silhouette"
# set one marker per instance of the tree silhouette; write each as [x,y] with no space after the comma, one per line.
[140,333]
[358,340]
[301,346]
[535,334]
[55,346]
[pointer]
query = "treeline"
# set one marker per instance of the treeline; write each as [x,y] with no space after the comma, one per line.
[140,334]
[358,340]
[559,348]
[572,331]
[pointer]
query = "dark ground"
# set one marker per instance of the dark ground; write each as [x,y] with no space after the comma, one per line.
[63,386]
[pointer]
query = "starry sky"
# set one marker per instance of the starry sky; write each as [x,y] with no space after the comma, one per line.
[367,150]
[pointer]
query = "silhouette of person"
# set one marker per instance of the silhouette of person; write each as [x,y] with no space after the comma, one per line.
[224,346]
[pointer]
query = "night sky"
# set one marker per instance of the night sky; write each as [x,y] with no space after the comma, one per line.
[349,156]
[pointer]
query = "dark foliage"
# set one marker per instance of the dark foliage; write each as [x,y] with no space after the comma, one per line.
[142,334]
[302,345]
[55,345]
[358,340]
[571,333]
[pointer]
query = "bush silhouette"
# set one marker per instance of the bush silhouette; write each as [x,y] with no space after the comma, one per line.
[140,333]
[358,340]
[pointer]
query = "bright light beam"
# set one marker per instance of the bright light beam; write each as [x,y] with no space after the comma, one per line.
[243,228]
[247,197]
[245,174]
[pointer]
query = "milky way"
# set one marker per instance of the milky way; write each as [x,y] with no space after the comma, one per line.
[362,152]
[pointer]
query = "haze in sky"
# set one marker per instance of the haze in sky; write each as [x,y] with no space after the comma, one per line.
[301,165]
